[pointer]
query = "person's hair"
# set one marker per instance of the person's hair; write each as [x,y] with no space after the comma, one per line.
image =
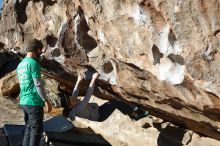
[64,103]
[34,45]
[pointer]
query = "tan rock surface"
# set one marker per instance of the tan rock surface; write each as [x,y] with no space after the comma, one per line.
[119,130]
[9,85]
[160,54]
[10,112]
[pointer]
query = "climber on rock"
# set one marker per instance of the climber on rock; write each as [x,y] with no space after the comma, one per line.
[84,109]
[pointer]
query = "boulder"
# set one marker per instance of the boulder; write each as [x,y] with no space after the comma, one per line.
[161,55]
[119,129]
[10,112]
[9,85]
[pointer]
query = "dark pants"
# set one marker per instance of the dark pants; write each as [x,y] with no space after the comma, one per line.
[33,116]
[108,108]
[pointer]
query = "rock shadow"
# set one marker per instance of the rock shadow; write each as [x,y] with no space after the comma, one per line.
[156,54]
[176,59]
[86,41]
[8,63]
[170,135]
[51,40]
[20,8]
[172,38]
[2,45]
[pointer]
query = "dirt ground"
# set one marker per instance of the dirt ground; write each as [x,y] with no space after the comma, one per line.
[11,113]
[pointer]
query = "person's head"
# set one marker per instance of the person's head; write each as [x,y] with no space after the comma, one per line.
[68,103]
[35,48]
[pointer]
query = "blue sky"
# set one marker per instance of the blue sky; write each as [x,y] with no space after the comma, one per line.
[1,3]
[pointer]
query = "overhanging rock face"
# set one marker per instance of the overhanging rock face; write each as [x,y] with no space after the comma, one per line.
[163,55]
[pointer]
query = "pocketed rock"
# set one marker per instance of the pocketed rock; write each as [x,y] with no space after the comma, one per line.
[162,55]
